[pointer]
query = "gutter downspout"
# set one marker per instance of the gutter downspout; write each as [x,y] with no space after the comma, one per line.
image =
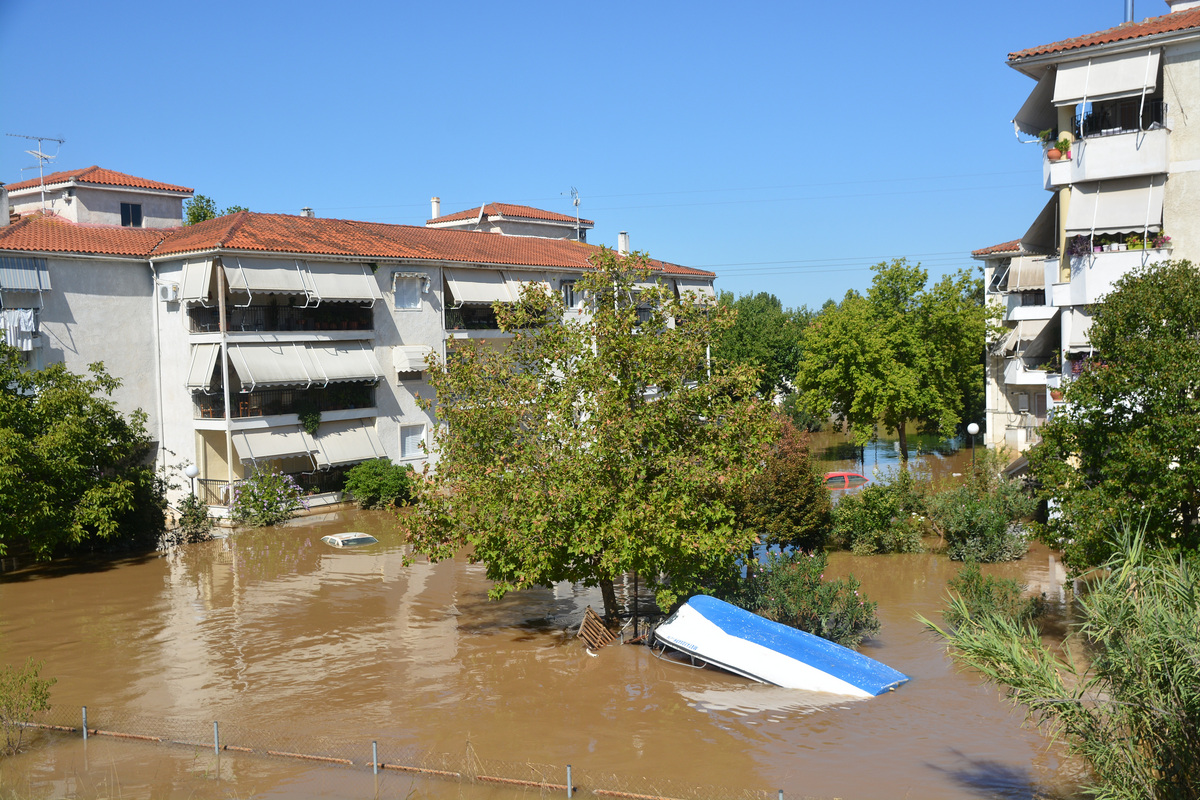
[224,328]
[162,425]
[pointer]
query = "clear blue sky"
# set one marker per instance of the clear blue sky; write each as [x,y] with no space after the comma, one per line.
[786,146]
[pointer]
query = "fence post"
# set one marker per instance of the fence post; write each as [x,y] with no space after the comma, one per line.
[216,739]
[85,722]
[781,794]
[375,757]
[568,780]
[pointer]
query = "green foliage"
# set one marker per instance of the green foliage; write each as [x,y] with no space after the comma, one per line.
[882,518]
[794,410]
[981,520]
[1131,705]
[73,469]
[380,483]
[23,695]
[763,335]
[195,525]
[1130,430]
[266,497]
[595,445]
[790,588]
[986,594]
[905,353]
[309,414]
[202,208]
[789,504]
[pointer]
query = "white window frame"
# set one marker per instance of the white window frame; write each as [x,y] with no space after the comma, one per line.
[567,286]
[424,285]
[420,450]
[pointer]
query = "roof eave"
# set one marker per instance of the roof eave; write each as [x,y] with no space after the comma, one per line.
[1042,60]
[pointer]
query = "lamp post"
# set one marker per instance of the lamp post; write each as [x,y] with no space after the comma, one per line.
[191,470]
[972,429]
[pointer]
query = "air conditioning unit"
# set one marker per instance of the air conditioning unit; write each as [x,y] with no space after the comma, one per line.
[1023,403]
[168,292]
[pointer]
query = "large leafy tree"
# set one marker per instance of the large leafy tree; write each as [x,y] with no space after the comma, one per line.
[766,335]
[904,353]
[587,449]
[73,469]
[1128,437]
[202,208]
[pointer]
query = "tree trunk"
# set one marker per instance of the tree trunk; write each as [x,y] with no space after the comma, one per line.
[903,445]
[610,599]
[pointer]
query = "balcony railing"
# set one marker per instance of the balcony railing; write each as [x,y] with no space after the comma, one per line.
[330,317]
[1120,116]
[285,401]
[217,492]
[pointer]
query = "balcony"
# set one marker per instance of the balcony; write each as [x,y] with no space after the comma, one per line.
[320,488]
[1117,155]
[276,318]
[272,402]
[1028,305]
[1028,371]
[1093,275]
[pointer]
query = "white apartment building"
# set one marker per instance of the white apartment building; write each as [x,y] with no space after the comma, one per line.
[254,338]
[1124,194]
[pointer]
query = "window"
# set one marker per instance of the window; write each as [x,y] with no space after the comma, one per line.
[570,299]
[131,215]
[411,439]
[409,375]
[407,288]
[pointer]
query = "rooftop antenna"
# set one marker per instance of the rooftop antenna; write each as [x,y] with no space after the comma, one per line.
[42,157]
[575,202]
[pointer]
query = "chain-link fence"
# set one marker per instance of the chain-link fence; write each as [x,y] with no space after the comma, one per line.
[380,756]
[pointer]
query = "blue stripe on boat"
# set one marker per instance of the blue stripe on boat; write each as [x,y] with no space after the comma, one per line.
[854,668]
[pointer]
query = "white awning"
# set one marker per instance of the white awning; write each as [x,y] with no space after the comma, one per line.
[197,280]
[477,286]
[410,357]
[700,287]
[1038,113]
[1027,274]
[342,283]
[516,280]
[266,275]
[1030,337]
[18,274]
[204,362]
[272,443]
[337,362]
[1106,77]
[347,442]
[1117,206]
[285,364]
[1078,322]
[1043,233]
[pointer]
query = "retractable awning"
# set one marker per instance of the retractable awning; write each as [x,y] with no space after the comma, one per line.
[702,289]
[342,283]
[410,357]
[477,286]
[203,366]
[1116,206]
[273,443]
[1026,274]
[300,364]
[1038,113]
[1079,323]
[347,442]
[516,280]
[339,362]
[1043,233]
[24,274]
[1031,337]
[197,281]
[266,275]
[1106,77]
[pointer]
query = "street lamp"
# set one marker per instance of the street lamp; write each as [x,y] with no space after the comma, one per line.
[191,470]
[972,429]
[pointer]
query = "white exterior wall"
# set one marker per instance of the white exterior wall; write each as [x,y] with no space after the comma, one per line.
[544,230]
[1181,197]
[95,206]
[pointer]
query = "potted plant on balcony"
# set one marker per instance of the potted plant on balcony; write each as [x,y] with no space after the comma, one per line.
[1135,241]
[1161,241]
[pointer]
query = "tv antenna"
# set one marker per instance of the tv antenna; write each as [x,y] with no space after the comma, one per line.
[575,202]
[42,157]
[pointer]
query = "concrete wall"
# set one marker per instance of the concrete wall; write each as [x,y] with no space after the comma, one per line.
[552,230]
[94,206]
[1181,198]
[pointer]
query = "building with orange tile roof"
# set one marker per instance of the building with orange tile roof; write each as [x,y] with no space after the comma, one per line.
[511,219]
[98,196]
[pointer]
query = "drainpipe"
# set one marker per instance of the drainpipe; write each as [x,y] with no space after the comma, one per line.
[161,456]
[224,328]
[1129,10]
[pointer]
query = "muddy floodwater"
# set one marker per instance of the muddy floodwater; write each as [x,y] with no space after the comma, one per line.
[292,646]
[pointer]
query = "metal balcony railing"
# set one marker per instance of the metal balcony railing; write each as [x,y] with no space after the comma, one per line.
[1120,116]
[330,317]
[217,492]
[284,401]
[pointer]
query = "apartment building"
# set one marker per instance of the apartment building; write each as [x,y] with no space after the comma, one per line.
[1112,117]
[256,339]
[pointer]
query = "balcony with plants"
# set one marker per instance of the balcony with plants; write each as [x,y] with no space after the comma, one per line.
[1098,262]
[346,397]
[284,316]
[1116,139]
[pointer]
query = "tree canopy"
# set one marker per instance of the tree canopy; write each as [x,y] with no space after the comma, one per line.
[201,208]
[586,449]
[73,469]
[902,354]
[765,335]
[1127,438]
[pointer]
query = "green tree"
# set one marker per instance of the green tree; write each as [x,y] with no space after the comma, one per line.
[73,469]
[903,354]
[789,504]
[202,208]
[23,696]
[1129,434]
[584,450]
[380,484]
[763,335]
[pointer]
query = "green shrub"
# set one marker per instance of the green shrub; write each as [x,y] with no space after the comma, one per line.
[22,696]
[380,483]
[882,518]
[981,520]
[987,594]
[788,503]
[790,588]
[267,497]
[194,523]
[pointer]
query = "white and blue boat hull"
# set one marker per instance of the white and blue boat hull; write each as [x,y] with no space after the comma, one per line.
[744,643]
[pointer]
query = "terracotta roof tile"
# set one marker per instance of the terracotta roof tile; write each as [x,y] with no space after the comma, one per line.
[1168,23]
[1008,247]
[97,175]
[508,210]
[52,234]
[248,230]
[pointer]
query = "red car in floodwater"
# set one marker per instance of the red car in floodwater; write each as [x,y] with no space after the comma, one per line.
[841,484]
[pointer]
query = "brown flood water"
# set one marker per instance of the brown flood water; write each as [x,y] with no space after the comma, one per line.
[294,646]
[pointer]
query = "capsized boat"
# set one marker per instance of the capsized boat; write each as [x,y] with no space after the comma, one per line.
[736,640]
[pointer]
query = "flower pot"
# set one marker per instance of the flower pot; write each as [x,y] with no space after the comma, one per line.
[1054,154]
[1098,248]
[1056,395]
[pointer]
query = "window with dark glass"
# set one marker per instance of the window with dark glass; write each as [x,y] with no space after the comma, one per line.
[131,215]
